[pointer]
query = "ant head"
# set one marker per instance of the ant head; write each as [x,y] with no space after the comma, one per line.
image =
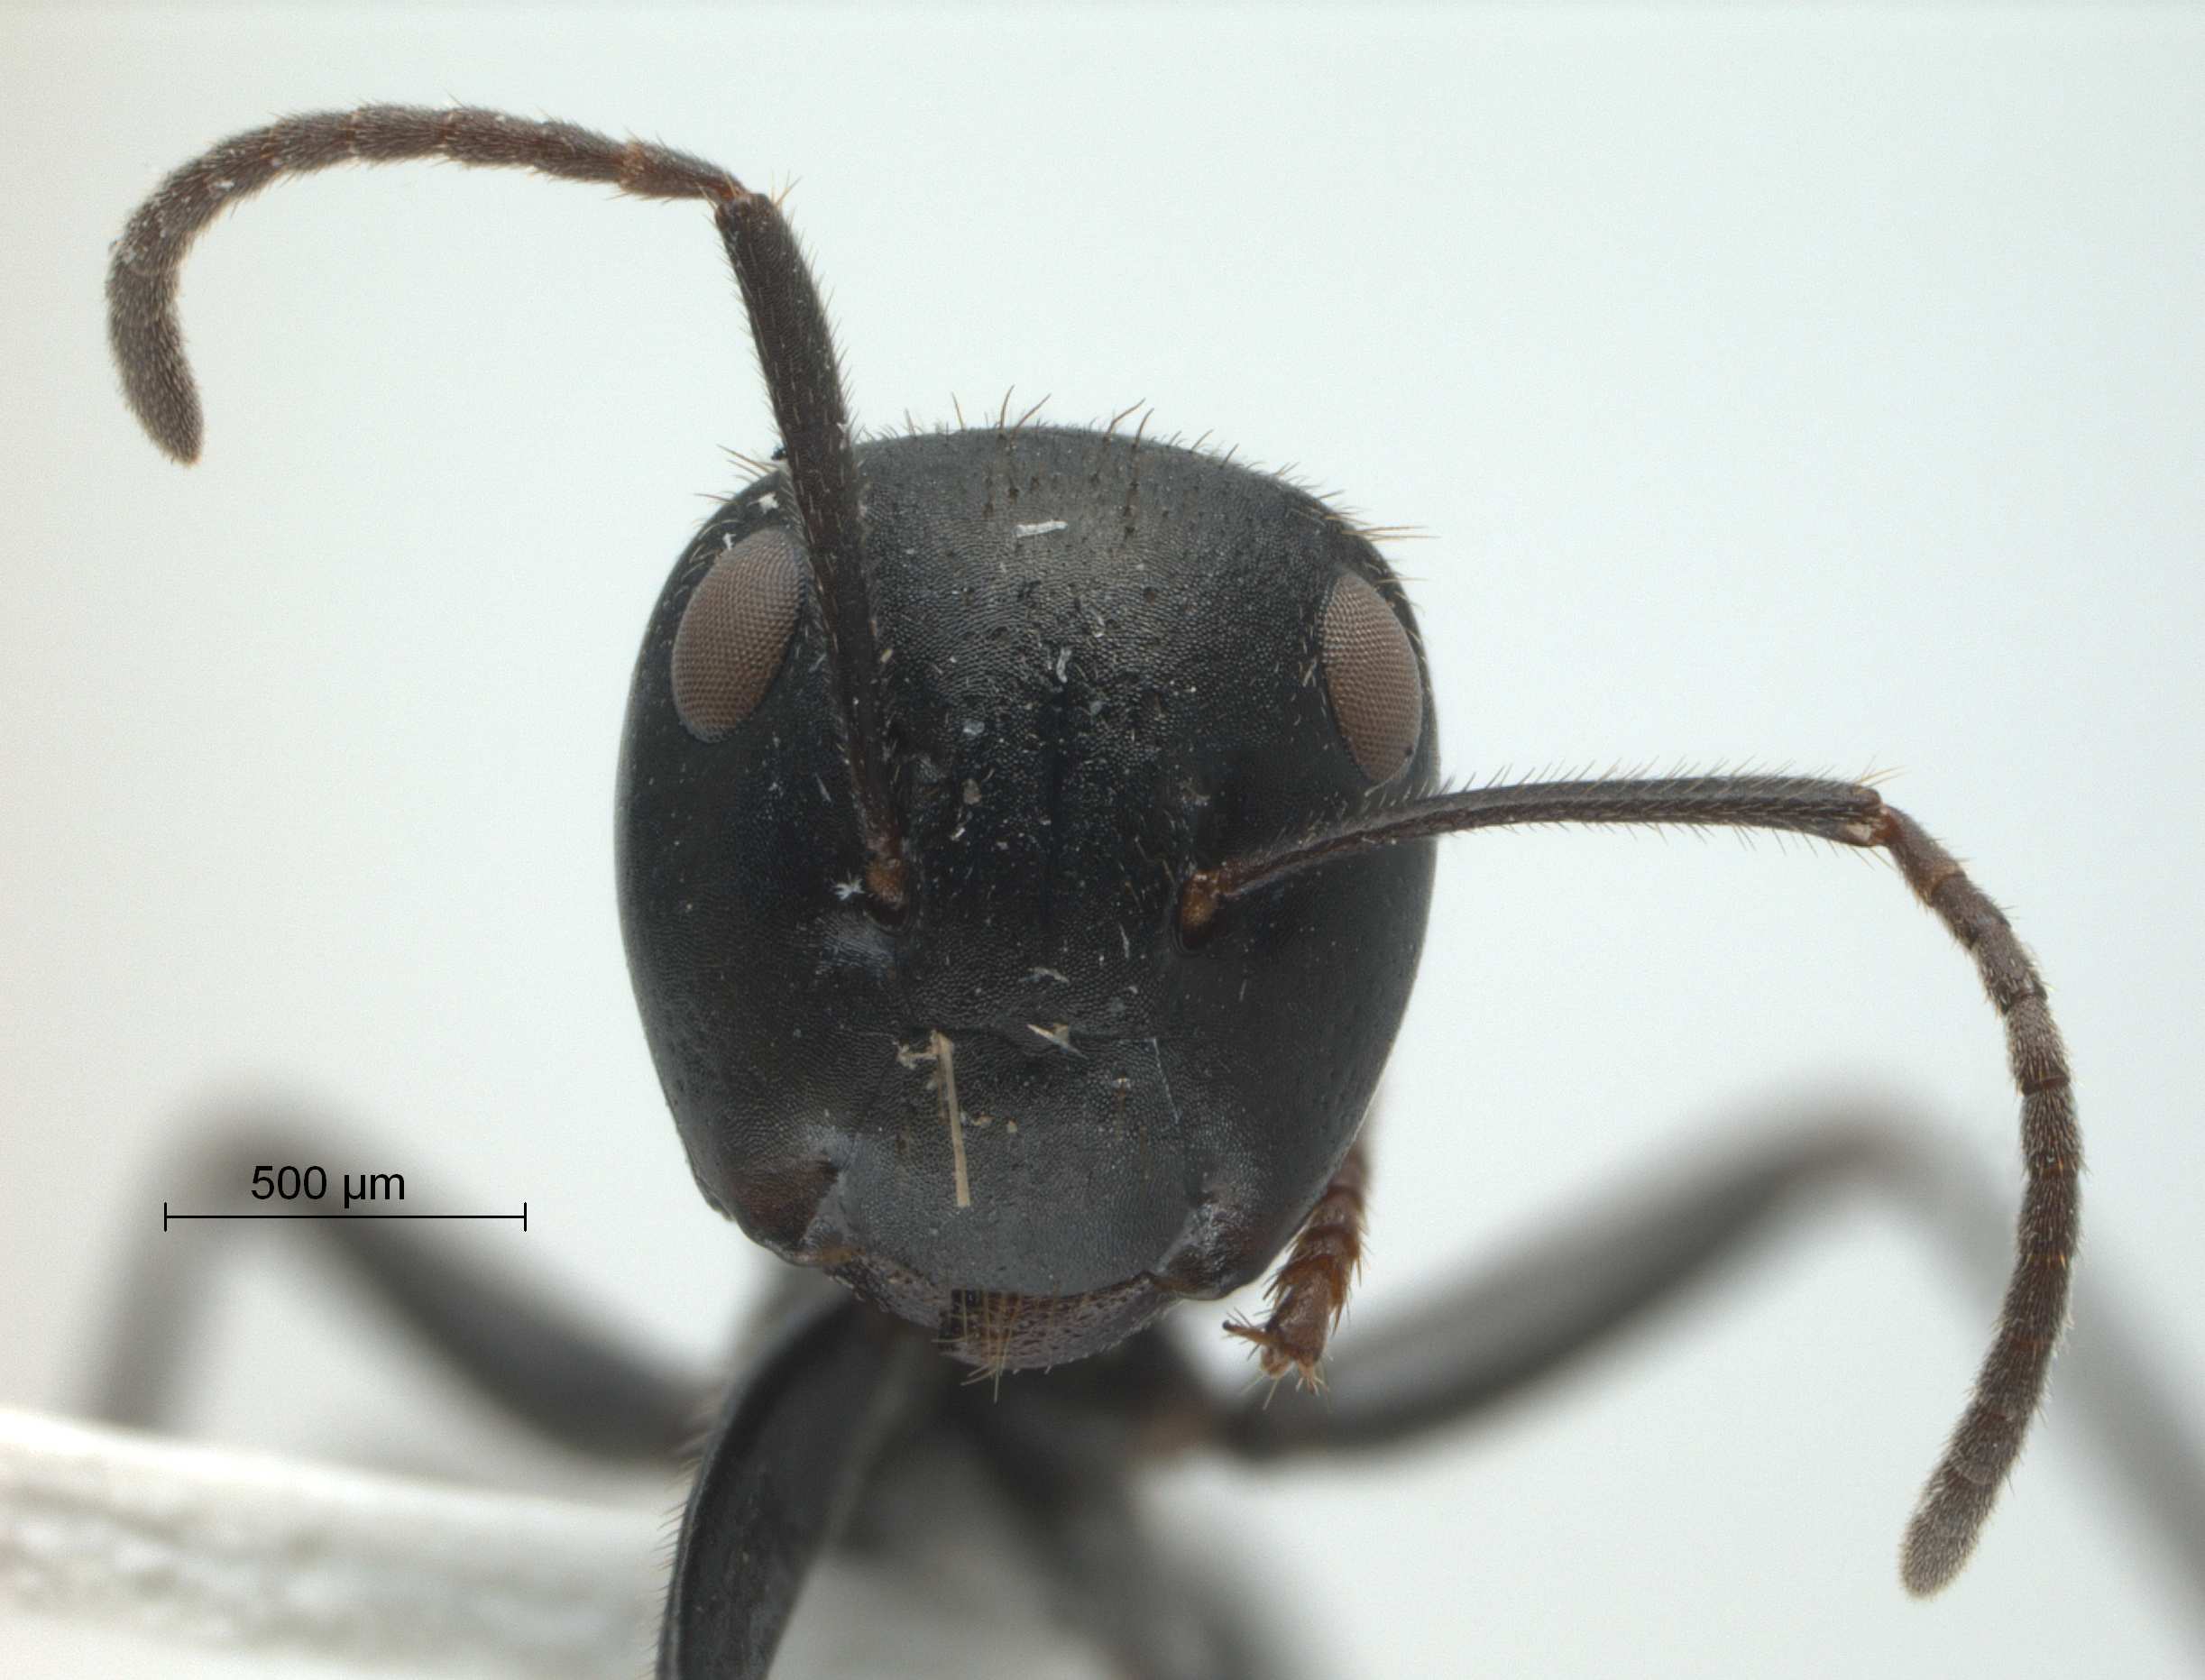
[1018,1103]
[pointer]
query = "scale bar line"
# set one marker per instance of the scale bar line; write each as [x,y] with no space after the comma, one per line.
[521,1218]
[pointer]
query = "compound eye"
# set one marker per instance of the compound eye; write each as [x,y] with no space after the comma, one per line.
[1371,673]
[735,632]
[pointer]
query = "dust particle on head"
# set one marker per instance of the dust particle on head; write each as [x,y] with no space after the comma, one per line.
[1021,532]
[940,1051]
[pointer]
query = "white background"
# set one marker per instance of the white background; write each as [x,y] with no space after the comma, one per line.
[1819,389]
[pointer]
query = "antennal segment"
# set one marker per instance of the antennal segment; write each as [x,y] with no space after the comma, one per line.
[787,322]
[795,350]
[142,280]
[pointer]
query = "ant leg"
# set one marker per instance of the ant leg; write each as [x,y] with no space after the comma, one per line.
[1155,1611]
[1060,1454]
[1435,1366]
[783,1469]
[1508,1326]
[568,1380]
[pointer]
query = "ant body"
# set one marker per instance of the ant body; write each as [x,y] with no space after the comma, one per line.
[1294,854]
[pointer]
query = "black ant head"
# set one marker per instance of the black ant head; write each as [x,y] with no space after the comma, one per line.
[1023,1103]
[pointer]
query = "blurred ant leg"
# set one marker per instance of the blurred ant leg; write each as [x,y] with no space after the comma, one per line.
[780,1475]
[1153,1610]
[565,1378]
[1494,1335]
[1481,1341]
[1062,1452]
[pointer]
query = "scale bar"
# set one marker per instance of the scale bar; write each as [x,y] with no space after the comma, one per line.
[521,1217]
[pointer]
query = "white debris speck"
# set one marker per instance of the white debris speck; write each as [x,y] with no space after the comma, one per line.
[1064,662]
[769,501]
[945,1082]
[1047,974]
[1061,1035]
[1043,530]
[848,890]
